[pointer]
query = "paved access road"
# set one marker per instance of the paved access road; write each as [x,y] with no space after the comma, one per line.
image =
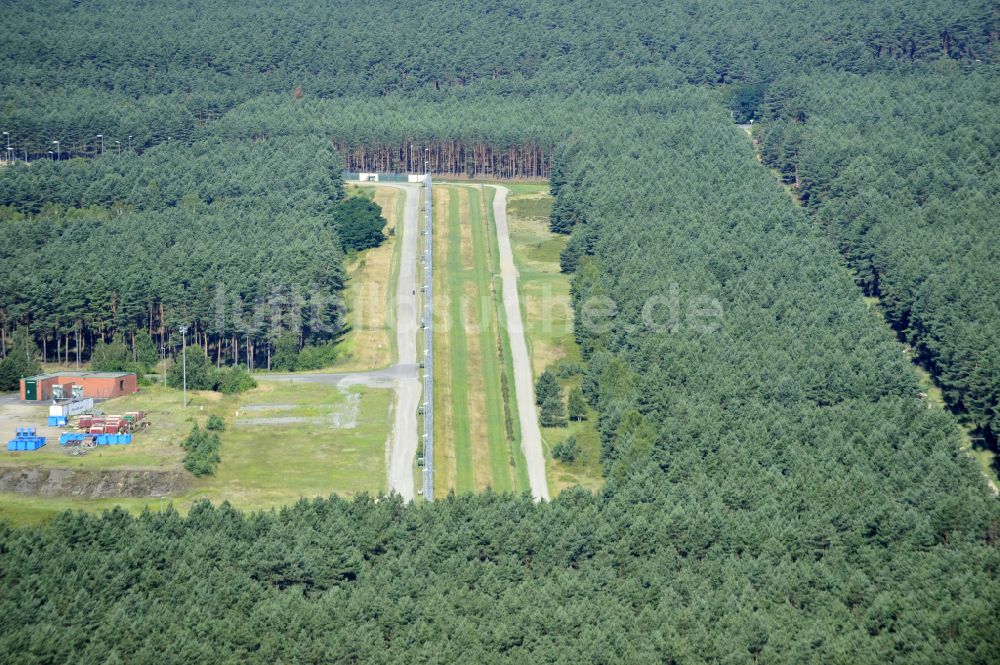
[524,387]
[404,440]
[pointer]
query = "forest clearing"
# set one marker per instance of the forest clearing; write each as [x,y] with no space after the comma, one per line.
[703,332]
[282,441]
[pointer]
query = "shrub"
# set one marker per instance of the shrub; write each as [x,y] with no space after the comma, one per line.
[317,357]
[360,223]
[234,380]
[202,449]
[200,373]
[566,451]
[553,411]
[546,386]
[577,405]
[567,369]
[216,424]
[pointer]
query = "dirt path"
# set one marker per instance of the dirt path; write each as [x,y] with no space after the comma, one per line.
[524,388]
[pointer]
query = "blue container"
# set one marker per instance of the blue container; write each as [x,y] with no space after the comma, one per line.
[66,437]
[22,444]
[12,445]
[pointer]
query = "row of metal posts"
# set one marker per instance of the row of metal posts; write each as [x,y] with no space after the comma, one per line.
[428,347]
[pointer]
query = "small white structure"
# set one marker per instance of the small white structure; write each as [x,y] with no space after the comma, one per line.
[368,177]
[72,408]
[416,178]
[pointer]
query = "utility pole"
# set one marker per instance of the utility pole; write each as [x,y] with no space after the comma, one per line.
[58,154]
[101,136]
[7,136]
[184,363]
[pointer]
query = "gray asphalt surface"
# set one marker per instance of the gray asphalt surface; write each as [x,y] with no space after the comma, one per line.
[403,453]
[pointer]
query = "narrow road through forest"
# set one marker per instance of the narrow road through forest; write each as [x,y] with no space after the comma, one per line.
[524,388]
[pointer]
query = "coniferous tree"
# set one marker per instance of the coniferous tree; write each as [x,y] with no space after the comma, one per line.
[553,412]
[577,404]
[22,360]
[546,386]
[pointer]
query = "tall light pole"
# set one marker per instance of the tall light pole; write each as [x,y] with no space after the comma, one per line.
[7,134]
[58,154]
[129,141]
[101,136]
[163,361]
[118,145]
[51,155]
[184,366]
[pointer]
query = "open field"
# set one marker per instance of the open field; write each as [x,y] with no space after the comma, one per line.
[472,447]
[369,296]
[548,318]
[288,441]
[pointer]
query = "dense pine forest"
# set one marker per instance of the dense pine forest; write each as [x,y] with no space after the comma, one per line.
[776,487]
[904,171]
[183,235]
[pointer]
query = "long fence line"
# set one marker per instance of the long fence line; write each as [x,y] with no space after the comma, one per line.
[428,362]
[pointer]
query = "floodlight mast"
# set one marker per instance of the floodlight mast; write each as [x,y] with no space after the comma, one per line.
[184,379]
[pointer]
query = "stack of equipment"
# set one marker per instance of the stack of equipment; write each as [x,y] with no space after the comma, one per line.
[26,439]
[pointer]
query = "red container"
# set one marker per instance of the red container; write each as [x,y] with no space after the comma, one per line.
[86,422]
[111,428]
[97,430]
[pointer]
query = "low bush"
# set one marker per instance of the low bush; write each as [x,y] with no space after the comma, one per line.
[202,449]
